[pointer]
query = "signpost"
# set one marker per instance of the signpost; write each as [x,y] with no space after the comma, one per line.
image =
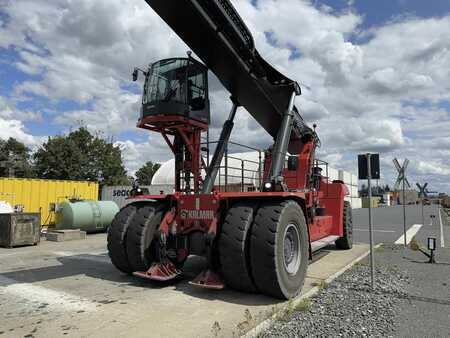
[422,194]
[368,169]
[403,180]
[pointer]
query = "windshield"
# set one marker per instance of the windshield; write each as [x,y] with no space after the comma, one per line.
[169,80]
[165,81]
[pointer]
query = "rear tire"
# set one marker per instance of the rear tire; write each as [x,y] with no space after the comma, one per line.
[234,247]
[279,249]
[346,241]
[116,238]
[141,246]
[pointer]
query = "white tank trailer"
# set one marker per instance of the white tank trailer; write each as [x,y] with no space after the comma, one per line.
[89,216]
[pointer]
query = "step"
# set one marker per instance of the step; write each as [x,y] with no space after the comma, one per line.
[321,243]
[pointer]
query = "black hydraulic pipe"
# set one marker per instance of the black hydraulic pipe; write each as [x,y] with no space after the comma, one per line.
[214,167]
[281,144]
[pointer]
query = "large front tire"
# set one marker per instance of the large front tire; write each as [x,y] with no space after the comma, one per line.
[116,238]
[279,249]
[141,244]
[234,247]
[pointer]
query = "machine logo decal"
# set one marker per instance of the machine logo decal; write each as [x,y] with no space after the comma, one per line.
[196,214]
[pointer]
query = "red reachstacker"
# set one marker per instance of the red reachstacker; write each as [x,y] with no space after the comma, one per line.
[258,241]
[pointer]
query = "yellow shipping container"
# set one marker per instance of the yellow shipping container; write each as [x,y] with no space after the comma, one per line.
[36,195]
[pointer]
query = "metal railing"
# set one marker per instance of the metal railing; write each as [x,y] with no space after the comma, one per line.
[242,173]
[320,163]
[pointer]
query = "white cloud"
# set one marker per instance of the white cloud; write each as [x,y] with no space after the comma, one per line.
[135,154]
[364,96]
[16,129]
[12,126]
[430,168]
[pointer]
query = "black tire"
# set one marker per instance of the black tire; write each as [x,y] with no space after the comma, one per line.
[234,243]
[272,222]
[346,241]
[116,238]
[141,248]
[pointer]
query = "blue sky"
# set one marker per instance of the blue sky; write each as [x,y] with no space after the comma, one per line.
[379,12]
[374,72]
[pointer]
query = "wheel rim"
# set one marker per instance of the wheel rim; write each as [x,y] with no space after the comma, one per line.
[291,249]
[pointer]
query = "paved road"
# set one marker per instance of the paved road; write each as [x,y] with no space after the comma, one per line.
[425,311]
[388,222]
[71,289]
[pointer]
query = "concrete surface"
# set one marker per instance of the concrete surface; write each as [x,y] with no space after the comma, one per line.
[65,235]
[71,289]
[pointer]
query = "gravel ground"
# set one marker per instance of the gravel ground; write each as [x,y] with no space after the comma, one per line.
[348,307]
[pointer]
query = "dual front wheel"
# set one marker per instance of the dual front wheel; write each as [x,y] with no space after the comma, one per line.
[130,237]
[265,248]
[262,247]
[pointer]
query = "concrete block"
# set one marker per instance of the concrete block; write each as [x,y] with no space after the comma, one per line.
[355,202]
[333,174]
[65,235]
[348,177]
[354,191]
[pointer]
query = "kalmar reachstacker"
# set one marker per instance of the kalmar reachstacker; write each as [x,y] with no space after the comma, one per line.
[258,241]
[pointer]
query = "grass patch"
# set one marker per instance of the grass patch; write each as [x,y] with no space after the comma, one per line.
[304,305]
[322,285]
[290,308]
[215,330]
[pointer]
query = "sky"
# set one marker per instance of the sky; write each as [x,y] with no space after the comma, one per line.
[375,76]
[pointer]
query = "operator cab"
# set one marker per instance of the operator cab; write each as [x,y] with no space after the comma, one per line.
[176,87]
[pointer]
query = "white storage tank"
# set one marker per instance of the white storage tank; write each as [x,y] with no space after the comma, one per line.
[165,175]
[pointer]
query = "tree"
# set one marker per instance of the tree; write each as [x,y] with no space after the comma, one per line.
[15,159]
[145,174]
[80,156]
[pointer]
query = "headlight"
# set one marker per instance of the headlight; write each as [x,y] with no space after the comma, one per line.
[268,185]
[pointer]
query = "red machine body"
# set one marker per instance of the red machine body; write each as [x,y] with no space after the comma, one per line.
[254,241]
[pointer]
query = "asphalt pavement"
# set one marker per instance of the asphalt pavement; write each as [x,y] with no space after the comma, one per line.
[425,308]
[388,222]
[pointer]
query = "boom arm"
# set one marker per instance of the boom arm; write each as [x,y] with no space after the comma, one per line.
[216,33]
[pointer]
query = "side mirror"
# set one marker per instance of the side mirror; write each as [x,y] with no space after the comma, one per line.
[292,163]
[135,74]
